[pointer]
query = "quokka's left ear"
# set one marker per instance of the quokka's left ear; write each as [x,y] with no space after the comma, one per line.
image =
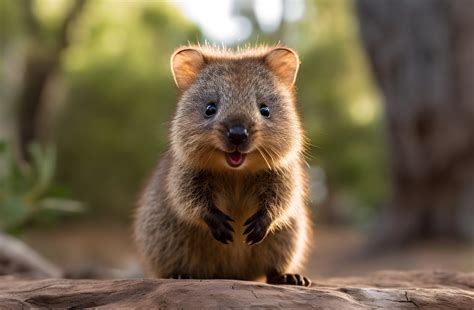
[284,63]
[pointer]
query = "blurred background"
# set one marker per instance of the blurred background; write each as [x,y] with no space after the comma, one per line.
[385,91]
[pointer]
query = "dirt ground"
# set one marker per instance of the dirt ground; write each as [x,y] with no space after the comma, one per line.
[338,251]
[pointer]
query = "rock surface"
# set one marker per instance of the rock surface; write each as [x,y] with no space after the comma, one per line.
[388,290]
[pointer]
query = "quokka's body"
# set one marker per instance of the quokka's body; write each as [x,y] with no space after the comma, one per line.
[227,199]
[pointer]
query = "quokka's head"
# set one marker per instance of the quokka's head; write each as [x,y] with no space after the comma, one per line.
[237,109]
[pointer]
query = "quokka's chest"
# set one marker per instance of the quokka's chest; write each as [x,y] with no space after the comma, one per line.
[237,198]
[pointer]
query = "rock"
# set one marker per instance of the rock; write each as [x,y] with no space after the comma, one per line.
[421,279]
[387,290]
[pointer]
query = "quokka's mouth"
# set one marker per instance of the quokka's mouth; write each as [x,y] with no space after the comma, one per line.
[235,159]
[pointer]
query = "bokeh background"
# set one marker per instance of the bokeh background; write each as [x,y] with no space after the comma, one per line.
[86,95]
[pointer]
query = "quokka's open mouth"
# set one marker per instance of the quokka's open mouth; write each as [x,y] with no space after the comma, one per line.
[235,159]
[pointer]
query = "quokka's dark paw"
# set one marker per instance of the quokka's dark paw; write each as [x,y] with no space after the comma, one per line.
[289,279]
[219,225]
[181,276]
[256,227]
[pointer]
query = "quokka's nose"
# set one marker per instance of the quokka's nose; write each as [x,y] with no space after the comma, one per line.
[237,135]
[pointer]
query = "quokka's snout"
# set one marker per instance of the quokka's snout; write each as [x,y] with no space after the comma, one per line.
[237,135]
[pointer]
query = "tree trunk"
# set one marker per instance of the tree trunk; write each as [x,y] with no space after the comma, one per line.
[41,63]
[422,56]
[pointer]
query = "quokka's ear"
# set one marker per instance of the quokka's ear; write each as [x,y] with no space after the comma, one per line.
[185,65]
[284,63]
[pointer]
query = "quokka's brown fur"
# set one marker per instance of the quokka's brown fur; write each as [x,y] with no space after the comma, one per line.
[199,216]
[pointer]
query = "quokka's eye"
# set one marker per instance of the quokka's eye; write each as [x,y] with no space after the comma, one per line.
[211,109]
[265,110]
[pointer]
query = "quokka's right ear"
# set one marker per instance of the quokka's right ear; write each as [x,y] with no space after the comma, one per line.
[185,64]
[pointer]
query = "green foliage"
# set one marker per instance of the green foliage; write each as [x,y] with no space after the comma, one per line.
[27,192]
[120,99]
[9,20]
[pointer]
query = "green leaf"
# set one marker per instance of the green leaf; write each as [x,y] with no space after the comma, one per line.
[27,194]
[13,212]
[3,146]
[62,205]
[43,167]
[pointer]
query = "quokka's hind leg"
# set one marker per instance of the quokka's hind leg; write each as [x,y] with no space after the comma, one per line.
[276,277]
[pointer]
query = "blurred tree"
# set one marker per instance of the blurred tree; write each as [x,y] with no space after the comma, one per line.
[340,109]
[422,57]
[42,58]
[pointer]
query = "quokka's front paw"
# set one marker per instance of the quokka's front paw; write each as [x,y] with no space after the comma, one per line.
[257,227]
[218,224]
